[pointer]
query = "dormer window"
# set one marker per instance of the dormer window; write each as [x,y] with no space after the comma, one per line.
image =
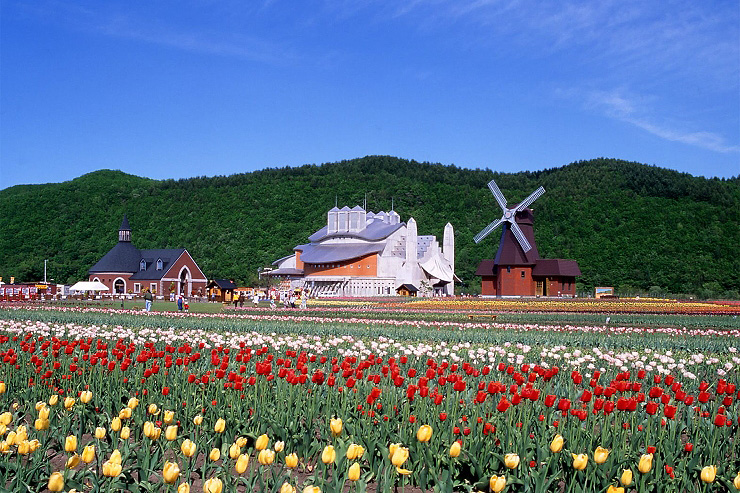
[159,264]
[142,264]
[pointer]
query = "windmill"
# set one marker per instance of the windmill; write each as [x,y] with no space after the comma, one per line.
[509,216]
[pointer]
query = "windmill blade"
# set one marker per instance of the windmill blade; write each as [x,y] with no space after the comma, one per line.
[497,194]
[532,197]
[520,237]
[487,230]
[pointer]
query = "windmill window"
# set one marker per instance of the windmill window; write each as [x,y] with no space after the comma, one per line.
[508,269]
[159,264]
[523,274]
[142,264]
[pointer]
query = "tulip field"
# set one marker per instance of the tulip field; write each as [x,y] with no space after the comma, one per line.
[426,395]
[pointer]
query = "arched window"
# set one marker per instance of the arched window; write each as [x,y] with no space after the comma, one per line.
[159,264]
[142,264]
[119,286]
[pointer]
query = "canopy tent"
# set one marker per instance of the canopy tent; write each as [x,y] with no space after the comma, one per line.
[437,267]
[89,286]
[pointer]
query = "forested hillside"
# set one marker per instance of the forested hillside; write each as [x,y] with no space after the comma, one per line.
[629,225]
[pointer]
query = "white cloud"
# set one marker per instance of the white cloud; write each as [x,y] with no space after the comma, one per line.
[615,104]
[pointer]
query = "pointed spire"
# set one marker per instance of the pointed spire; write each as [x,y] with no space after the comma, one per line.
[124,232]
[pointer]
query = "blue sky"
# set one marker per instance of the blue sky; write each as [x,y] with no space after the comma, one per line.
[191,88]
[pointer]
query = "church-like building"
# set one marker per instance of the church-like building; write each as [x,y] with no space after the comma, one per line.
[126,269]
[361,253]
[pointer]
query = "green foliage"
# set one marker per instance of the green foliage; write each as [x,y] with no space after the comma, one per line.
[627,224]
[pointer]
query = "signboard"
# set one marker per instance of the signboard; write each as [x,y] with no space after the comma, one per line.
[601,291]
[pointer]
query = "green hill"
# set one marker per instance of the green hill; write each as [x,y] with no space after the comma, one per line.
[629,225]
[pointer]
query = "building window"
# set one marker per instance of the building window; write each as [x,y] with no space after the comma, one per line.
[523,275]
[153,287]
[137,287]
[142,264]
[159,264]
[508,269]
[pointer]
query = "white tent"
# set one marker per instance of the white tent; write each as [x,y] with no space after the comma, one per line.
[89,286]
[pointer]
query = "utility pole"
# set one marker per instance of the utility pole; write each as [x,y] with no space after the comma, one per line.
[45,260]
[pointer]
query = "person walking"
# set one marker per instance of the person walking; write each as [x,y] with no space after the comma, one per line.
[148,298]
[179,302]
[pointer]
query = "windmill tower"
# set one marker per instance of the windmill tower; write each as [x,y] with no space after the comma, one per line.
[511,271]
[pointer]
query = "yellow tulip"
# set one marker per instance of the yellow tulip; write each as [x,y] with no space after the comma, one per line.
[291,461]
[2,387]
[424,434]
[336,426]
[10,439]
[85,396]
[41,424]
[21,433]
[615,489]
[215,454]
[54,400]
[170,472]
[115,424]
[708,474]
[188,448]
[156,432]
[125,433]
[56,481]
[600,455]
[311,489]
[115,457]
[171,432]
[328,455]
[3,429]
[736,481]
[266,457]
[125,413]
[99,432]
[183,488]
[354,472]
[392,449]
[6,418]
[198,420]
[261,443]
[25,448]
[148,429]
[646,463]
[213,485]
[68,402]
[220,425]
[241,463]
[279,446]
[70,443]
[580,461]
[399,456]
[287,488]
[626,478]
[234,451]
[88,453]
[556,445]
[455,449]
[152,409]
[35,444]
[511,461]
[111,469]
[497,483]
[168,417]
[403,471]
[44,411]
[354,451]
[132,403]
[242,441]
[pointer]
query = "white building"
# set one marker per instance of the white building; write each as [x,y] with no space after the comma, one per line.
[361,253]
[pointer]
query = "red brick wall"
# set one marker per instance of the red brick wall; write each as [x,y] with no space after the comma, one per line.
[513,284]
[488,286]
